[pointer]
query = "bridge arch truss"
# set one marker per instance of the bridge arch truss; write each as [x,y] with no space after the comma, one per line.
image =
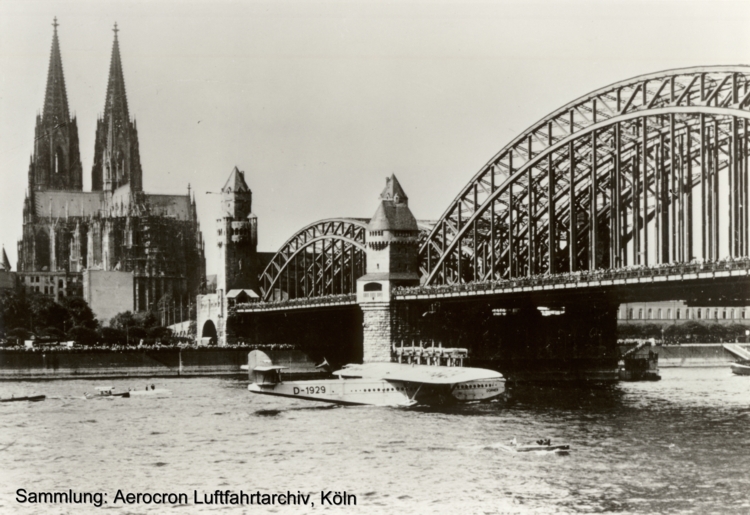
[323,258]
[646,171]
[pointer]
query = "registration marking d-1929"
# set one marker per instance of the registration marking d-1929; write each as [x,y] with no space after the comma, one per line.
[310,390]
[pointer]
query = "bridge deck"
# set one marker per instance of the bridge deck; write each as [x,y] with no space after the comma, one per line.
[583,280]
[628,278]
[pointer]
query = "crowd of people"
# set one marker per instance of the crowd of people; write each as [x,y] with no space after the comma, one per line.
[76,348]
[582,276]
[304,301]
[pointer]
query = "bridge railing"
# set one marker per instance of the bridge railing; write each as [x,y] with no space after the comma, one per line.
[584,276]
[346,298]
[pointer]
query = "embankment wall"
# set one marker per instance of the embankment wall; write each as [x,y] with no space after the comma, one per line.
[693,355]
[19,364]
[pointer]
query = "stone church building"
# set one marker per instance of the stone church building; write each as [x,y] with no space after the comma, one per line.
[152,241]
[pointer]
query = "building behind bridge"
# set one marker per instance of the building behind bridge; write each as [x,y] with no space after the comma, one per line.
[678,312]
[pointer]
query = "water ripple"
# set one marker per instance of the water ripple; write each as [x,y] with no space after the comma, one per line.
[677,446]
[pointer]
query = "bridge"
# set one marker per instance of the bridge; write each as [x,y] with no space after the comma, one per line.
[322,259]
[636,191]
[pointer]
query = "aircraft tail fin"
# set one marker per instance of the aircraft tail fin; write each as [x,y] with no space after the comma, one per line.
[266,375]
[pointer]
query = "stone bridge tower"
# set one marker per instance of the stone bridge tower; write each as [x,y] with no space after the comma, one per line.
[239,265]
[392,260]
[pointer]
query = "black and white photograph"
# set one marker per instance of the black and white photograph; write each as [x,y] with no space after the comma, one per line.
[378,257]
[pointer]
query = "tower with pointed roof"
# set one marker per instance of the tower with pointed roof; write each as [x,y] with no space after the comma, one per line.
[238,237]
[393,238]
[392,260]
[5,262]
[56,162]
[7,278]
[117,160]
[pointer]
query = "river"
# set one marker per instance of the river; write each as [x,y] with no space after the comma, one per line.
[680,445]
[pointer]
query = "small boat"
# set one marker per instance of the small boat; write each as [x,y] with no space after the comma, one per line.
[29,398]
[741,368]
[106,391]
[150,391]
[541,447]
[638,364]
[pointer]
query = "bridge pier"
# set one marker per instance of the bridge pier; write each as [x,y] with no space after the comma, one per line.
[386,326]
[579,345]
[377,332]
[575,342]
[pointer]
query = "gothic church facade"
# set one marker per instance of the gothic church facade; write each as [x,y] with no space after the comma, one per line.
[116,226]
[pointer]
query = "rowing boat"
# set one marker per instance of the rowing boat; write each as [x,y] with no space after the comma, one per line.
[540,448]
[30,398]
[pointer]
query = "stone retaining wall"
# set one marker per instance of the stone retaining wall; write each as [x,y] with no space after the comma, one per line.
[693,355]
[17,364]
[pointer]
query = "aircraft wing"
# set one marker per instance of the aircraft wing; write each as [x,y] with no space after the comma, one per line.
[426,374]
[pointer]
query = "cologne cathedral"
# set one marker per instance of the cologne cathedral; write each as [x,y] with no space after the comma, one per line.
[114,227]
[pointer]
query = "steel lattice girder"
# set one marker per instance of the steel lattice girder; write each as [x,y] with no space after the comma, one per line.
[323,258]
[642,147]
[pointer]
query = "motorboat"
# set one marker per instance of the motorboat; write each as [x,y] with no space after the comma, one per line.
[741,368]
[639,364]
[109,392]
[540,447]
[106,391]
[150,391]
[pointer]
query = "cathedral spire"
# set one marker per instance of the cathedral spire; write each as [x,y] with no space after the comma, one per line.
[116,103]
[56,162]
[5,265]
[116,142]
[56,97]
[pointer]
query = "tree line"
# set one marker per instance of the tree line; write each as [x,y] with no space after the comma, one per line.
[28,315]
[690,331]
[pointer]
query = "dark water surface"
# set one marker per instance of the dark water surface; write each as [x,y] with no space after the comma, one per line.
[681,445]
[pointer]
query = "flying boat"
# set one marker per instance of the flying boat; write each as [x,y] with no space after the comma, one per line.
[384,384]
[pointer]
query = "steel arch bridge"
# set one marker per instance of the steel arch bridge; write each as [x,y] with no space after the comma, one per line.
[323,258]
[646,171]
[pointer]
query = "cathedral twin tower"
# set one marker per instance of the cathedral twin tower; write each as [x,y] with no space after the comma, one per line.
[56,163]
[114,227]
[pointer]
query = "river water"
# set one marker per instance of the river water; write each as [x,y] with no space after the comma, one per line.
[680,445]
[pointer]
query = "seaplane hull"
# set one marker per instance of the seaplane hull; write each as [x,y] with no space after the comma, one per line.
[338,391]
[388,384]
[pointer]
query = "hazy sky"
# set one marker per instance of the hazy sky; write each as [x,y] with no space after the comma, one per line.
[318,101]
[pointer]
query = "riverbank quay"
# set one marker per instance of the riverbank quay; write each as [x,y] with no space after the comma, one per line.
[693,355]
[19,364]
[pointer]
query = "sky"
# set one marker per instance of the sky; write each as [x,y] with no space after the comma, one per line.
[319,101]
